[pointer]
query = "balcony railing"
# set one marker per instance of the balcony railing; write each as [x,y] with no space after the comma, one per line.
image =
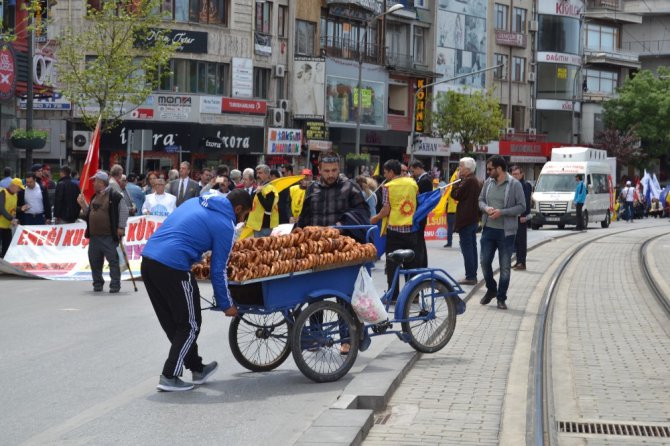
[604,4]
[398,60]
[612,54]
[646,47]
[351,49]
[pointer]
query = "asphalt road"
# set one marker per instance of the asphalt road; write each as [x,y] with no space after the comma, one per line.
[81,368]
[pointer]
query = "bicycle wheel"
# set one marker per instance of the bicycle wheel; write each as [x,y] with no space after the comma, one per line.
[432,316]
[260,342]
[319,331]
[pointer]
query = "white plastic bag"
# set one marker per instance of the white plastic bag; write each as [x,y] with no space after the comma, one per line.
[365,300]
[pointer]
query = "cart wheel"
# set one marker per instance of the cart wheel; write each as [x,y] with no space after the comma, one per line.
[433,316]
[260,342]
[319,332]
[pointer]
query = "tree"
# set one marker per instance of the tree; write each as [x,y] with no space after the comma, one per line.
[109,63]
[471,118]
[643,106]
[623,145]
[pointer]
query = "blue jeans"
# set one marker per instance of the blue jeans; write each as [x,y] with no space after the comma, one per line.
[468,241]
[451,220]
[492,240]
[629,211]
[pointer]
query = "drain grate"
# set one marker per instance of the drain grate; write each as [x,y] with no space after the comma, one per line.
[382,418]
[628,430]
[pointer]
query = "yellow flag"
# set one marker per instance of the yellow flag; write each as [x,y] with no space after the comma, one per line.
[279,185]
[376,170]
[441,207]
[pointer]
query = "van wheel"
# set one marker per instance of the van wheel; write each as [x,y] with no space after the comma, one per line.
[561,226]
[585,219]
[606,222]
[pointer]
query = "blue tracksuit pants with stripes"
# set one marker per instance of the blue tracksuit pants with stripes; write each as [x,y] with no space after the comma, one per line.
[175,297]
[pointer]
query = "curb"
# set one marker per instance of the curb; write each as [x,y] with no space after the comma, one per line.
[350,418]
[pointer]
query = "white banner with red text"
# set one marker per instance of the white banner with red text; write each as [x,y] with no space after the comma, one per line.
[60,252]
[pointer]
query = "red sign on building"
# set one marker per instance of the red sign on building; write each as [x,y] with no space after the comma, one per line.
[7,72]
[230,105]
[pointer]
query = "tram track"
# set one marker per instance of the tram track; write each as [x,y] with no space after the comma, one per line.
[540,418]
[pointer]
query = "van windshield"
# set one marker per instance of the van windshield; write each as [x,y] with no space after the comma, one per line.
[556,183]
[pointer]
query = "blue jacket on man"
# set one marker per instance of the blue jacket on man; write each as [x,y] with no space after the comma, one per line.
[200,224]
[580,193]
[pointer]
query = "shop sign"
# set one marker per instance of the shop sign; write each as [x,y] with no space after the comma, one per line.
[319,146]
[7,72]
[431,147]
[420,112]
[142,113]
[231,105]
[511,39]
[210,104]
[561,73]
[560,58]
[44,70]
[243,77]
[284,141]
[555,104]
[566,8]
[189,41]
[54,102]
[174,107]
[316,130]
[528,159]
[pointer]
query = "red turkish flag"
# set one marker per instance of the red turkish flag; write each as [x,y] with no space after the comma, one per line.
[91,164]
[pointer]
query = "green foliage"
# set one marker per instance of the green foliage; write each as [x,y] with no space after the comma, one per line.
[643,106]
[103,69]
[471,118]
[21,133]
[353,157]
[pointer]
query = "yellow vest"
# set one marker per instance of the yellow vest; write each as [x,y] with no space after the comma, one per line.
[255,220]
[402,193]
[10,207]
[297,199]
[451,205]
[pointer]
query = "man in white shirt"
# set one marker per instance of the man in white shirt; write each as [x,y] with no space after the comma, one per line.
[33,205]
[160,202]
[628,198]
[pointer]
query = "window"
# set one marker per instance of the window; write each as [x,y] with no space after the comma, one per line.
[279,93]
[555,81]
[304,37]
[501,16]
[518,117]
[518,69]
[419,51]
[214,12]
[262,83]
[559,34]
[398,99]
[601,81]
[282,20]
[519,20]
[602,38]
[500,72]
[264,17]
[8,11]
[192,76]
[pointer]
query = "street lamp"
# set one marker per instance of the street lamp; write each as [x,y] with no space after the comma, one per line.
[424,87]
[359,95]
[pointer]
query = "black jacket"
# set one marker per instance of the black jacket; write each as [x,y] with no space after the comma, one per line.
[425,185]
[21,200]
[66,207]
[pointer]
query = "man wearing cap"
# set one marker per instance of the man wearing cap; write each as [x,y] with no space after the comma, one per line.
[66,209]
[7,177]
[106,218]
[628,198]
[297,194]
[33,206]
[8,203]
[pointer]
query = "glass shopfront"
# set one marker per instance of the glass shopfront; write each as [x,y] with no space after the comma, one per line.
[558,34]
[556,81]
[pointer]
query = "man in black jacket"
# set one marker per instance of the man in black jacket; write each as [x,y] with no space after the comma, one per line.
[521,240]
[33,206]
[106,219]
[425,184]
[66,209]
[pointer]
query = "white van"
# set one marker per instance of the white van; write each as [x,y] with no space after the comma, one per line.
[551,202]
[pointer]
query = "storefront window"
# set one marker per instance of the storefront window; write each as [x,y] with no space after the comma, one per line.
[601,81]
[555,81]
[342,101]
[559,34]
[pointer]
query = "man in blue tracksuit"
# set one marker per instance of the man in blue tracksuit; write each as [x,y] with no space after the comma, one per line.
[198,225]
[578,200]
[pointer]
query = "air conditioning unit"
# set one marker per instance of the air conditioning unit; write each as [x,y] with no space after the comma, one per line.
[531,131]
[531,76]
[80,140]
[532,26]
[284,104]
[280,70]
[510,130]
[278,117]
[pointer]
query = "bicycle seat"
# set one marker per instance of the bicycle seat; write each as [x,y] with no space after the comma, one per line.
[401,255]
